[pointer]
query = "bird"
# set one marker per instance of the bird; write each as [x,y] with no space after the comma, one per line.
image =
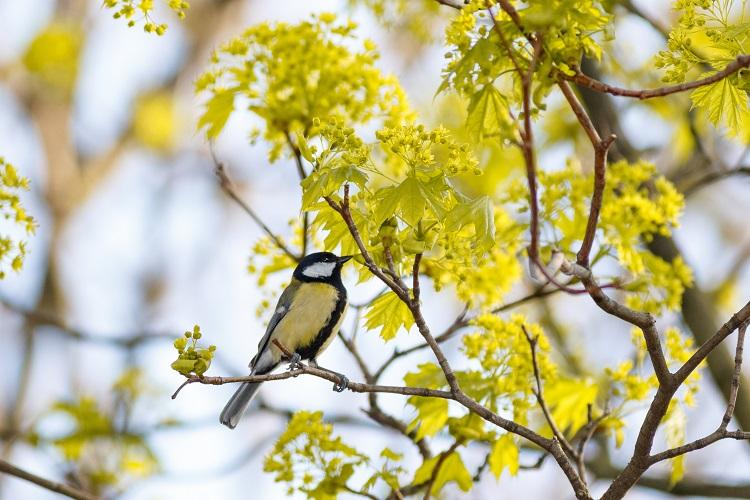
[306,319]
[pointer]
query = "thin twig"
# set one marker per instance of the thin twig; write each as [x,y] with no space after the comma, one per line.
[438,465]
[415,290]
[587,433]
[53,486]
[715,436]
[539,394]
[302,176]
[227,186]
[527,147]
[391,270]
[713,177]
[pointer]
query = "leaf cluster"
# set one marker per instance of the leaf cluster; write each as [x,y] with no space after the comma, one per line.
[312,461]
[289,75]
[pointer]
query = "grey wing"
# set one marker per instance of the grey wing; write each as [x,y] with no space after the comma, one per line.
[282,308]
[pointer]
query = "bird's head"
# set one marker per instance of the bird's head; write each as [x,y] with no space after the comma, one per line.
[322,266]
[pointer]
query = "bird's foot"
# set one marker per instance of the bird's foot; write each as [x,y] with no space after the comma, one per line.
[295,363]
[339,386]
[342,384]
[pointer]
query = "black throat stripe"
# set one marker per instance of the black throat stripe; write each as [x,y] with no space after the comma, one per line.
[311,350]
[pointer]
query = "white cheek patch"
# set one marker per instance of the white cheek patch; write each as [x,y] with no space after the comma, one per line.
[319,270]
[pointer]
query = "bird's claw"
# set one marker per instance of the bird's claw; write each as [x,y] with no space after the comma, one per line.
[296,362]
[342,384]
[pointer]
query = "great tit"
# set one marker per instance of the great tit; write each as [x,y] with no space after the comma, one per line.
[305,321]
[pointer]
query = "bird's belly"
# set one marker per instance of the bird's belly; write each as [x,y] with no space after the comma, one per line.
[311,312]
[334,331]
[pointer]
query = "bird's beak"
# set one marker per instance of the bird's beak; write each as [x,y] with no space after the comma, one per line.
[344,258]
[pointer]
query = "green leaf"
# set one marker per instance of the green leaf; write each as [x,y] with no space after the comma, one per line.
[452,469]
[351,174]
[675,427]
[389,313]
[304,148]
[478,212]
[433,193]
[387,204]
[323,182]
[504,454]
[481,51]
[428,375]
[569,400]
[488,113]
[724,103]
[432,415]
[411,201]
[218,109]
[389,454]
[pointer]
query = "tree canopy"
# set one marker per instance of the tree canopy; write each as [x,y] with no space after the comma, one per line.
[521,185]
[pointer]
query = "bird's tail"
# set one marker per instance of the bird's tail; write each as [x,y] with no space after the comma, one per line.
[232,412]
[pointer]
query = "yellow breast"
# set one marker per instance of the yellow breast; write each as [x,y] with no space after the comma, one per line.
[310,311]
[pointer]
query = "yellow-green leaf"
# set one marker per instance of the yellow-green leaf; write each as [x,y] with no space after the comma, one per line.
[504,454]
[411,201]
[451,469]
[388,199]
[388,313]
[675,427]
[218,109]
[724,103]
[432,415]
[429,375]
[569,400]
[478,212]
[487,113]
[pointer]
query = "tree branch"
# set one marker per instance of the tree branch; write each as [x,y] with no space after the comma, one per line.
[742,61]
[53,486]
[124,341]
[344,210]
[641,459]
[644,321]
[550,445]
[709,345]
[713,177]
[721,432]
[320,373]
[698,444]
[736,375]
[602,468]
[601,147]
